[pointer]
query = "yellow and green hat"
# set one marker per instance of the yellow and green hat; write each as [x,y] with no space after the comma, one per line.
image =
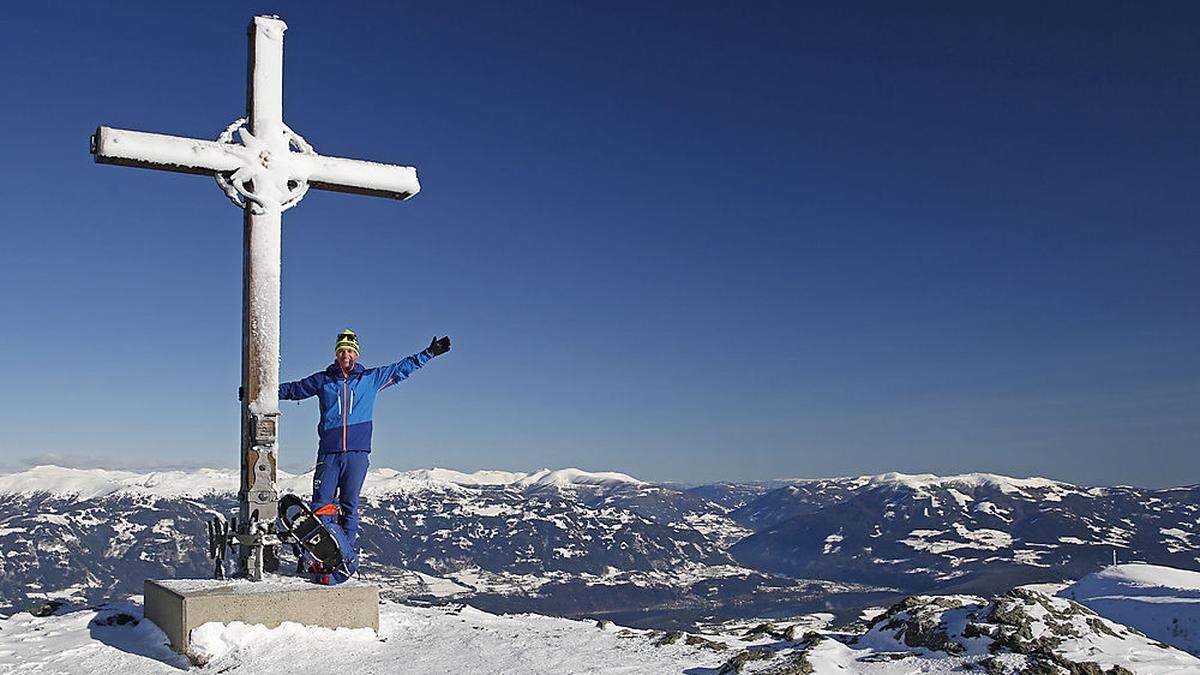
[346,340]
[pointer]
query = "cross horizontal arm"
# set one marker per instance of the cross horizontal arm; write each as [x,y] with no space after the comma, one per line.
[358,176]
[160,151]
[193,155]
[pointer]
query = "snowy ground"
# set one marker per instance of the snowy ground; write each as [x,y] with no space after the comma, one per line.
[1162,602]
[1025,630]
[411,640]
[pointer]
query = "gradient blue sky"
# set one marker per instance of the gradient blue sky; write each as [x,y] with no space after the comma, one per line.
[688,242]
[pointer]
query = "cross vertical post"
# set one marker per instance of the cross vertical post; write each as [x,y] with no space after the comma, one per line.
[258,498]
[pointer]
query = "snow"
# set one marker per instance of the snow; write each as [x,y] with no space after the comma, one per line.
[831,543]
[264,310]
[459,478]
[391,179]
[1028,557]
[381,482]
[1047,587]
[1005,484]
[1078,636]
[454,639]
[215,643]
[961,498]
[459,638]
[163,150]
[831,656]
[72,644]
[267,72]
[985,539]
[1178,540]
[1150,576]
[439,587]
[1162,602]
[84,484]
[992,510]
[566,477]
[270,583]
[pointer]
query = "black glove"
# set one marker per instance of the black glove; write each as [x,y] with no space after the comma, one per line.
[439,346]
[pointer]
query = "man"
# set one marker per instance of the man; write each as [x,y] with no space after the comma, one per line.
[346,392]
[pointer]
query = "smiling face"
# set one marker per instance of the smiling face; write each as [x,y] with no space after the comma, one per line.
[346,358]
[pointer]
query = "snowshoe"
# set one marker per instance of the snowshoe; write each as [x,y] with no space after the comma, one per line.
[318,538]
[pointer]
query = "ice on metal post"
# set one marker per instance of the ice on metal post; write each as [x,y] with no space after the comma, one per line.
[258,499]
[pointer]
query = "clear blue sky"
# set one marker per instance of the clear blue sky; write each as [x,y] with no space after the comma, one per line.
[691,242]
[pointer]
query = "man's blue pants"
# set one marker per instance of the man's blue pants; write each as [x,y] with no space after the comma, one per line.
[337,480]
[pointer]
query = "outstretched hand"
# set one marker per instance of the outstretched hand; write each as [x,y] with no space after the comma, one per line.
[439,345]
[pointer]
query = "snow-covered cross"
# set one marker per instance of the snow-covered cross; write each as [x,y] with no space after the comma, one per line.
[265,171]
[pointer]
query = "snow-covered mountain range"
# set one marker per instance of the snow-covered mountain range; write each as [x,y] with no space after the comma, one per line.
[579,543]
[971,533]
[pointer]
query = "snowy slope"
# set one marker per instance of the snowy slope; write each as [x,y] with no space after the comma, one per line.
[410,640]
[1162,602]
[1022,631]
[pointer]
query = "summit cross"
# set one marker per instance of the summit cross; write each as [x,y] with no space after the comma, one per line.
[265,171]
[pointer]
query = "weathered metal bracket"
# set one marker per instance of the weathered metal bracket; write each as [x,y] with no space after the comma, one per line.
[259,497]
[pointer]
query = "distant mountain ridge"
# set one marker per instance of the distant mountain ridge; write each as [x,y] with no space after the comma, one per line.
[88,483]
[575,542]
[94,483]
[971,533]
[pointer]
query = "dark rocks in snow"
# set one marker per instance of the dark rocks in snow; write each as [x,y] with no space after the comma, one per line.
[917,622]
[115,619]
[697,641]
[769,630]
[992,666]
[669,638]
[790,657]
[47,608]
[735,664]
[796,663]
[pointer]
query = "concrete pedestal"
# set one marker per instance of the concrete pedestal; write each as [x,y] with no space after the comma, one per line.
[179,605]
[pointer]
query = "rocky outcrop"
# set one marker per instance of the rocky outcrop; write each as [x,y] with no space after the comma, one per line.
[1022,632]
[794,657]
[1049,632]
[735,664]
[917,622]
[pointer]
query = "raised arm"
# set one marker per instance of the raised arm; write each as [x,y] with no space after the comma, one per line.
[400,370]
[300,389]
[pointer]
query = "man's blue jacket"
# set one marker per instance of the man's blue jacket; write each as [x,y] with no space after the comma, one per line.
[348,400]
